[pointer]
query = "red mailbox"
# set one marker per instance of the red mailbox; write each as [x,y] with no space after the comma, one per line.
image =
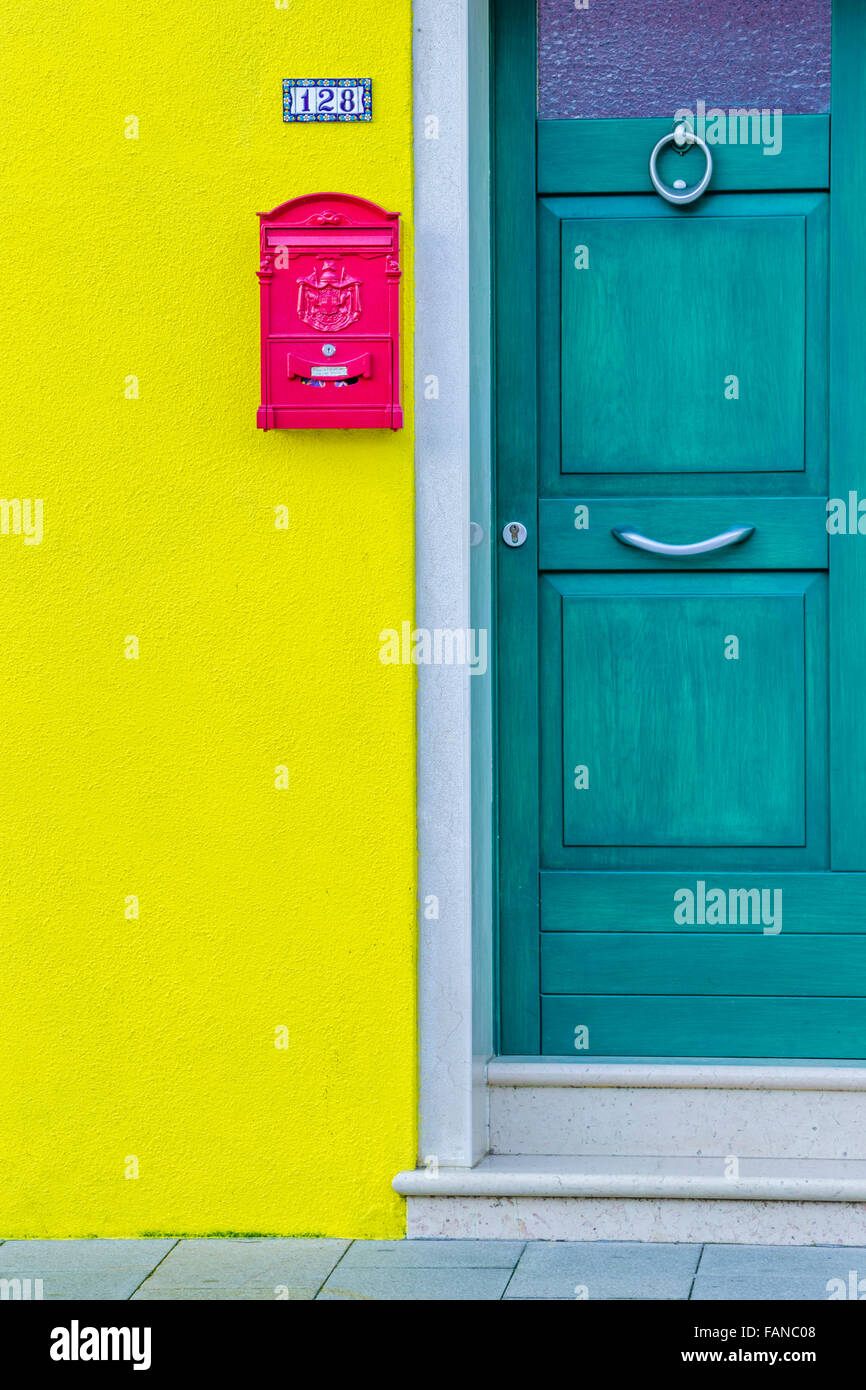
[329,271]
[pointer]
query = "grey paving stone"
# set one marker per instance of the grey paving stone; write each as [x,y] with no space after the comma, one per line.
[116,1285]
[39,1255]
[809,1288]
[605,1255]
[243,1267]
[414,1285]
[292,1291]
[780,1261]
[433,1254]
[562,1270]
[81,1269]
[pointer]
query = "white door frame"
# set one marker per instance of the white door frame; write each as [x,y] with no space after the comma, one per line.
[453,590]
[456,823]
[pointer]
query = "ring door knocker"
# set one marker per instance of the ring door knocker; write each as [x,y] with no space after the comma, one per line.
[681,138]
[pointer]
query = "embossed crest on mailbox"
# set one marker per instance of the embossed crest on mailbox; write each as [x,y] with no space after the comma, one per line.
[329,272]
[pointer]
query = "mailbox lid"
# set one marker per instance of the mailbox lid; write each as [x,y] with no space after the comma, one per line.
[332,262]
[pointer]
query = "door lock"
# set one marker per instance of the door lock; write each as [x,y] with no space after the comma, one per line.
[514,533]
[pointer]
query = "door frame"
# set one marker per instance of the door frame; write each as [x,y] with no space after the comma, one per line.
[454,710]
[456,713]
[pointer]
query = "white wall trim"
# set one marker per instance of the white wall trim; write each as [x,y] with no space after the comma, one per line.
[452,581]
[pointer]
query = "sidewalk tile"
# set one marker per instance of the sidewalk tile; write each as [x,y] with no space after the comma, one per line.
[598,1270]
[414,1285]
[83,1269]
[260,1268]
[726,1288]
[433,1254]
[782,1261]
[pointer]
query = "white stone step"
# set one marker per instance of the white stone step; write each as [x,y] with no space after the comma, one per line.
[800,1110]
[621,1175]
[628,1197]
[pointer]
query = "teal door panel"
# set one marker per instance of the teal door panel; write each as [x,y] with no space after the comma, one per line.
[609,156]
[686,712]
[666,422]
[698,1026]
[789,532]
[811,903]
[683,344]
[682,743]
[603,963]
[683,720]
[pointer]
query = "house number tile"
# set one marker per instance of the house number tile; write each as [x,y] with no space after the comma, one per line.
[327,99]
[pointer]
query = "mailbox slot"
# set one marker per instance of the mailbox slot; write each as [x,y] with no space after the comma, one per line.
[359,366]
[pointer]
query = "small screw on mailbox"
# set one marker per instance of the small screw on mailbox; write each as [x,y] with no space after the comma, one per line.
[329,271]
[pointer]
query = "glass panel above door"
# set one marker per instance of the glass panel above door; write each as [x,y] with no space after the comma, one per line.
[618,58]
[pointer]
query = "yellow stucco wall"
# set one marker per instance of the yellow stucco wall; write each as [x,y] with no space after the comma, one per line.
[259,908]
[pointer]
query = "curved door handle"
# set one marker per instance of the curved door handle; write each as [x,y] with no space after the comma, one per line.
[735,535]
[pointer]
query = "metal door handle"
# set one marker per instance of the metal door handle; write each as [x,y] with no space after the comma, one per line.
[735,535]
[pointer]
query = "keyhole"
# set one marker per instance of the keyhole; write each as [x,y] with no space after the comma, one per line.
[515,532]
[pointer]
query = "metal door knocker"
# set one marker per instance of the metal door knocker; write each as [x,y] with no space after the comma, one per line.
[681,138]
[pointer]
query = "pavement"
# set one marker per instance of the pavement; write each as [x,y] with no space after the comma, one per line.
[414,1270]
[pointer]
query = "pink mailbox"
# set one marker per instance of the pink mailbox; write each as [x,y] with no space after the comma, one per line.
[330,304]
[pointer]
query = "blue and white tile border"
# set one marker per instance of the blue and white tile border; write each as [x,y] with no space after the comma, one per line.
[364,83]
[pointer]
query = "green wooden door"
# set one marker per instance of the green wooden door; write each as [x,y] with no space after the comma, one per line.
[682,752]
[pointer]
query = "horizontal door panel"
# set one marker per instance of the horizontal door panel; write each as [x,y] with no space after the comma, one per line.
[702,1026]
[766,962]
[577,534]
[810,903]
[612,156]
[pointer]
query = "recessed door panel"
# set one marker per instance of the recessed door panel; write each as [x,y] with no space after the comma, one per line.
[687,712]
[683,344]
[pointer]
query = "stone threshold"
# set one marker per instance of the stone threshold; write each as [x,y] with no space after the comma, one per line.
[678,1177]
[735,1075]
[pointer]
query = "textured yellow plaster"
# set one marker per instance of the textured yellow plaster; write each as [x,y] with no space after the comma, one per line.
[154,1042]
